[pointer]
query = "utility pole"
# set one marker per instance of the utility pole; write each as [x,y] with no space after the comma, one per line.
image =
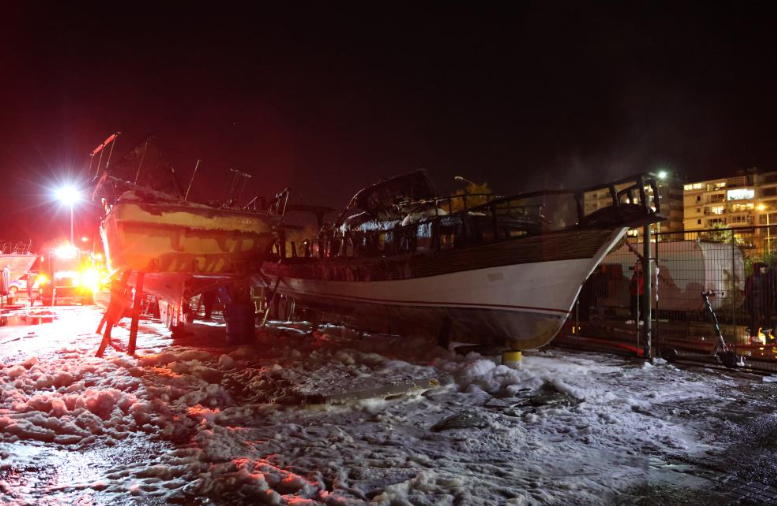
[72,241]
[647,300]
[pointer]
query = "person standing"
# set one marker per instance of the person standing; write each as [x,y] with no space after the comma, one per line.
[760,298]
[594,289]
[30,284]
[636,291]
[208,301]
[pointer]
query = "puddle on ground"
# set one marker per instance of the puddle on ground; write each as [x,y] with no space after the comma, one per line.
[23,320]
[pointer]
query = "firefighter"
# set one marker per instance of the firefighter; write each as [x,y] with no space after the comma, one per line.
[759,295]
[594,289]
[208,301]
[637,291]
[30,284]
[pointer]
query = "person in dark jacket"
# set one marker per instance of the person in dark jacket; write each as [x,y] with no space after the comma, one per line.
[208,301]
[637,291]
[30,284]
[760,297]
[594,289]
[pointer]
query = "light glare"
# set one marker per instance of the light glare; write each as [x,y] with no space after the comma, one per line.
[68,195]
[66,251]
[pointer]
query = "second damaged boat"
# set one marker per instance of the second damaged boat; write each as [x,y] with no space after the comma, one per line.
[498,270]
[175,249]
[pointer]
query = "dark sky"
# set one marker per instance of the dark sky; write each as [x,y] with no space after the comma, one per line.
[329,97]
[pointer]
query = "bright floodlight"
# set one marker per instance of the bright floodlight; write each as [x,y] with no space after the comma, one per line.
[662,174]
[66,251]
[68,195]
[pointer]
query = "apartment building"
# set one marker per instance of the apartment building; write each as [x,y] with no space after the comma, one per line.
[734,202]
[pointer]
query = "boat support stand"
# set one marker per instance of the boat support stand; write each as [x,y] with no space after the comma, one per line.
[120,292]
[513,356]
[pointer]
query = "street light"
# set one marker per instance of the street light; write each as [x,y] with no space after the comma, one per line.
[662,174]
[69,195]
[459,178]
[762,208]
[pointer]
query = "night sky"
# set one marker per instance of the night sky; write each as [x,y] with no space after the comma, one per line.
[327,98]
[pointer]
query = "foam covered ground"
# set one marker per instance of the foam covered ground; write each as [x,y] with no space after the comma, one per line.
[196,419]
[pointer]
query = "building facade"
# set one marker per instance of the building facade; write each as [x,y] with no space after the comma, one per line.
[734,202]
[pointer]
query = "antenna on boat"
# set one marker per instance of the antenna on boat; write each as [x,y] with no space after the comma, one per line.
[188,189]
[142,157]
[246,177]
[230,186]
[113,145]
[100,149]
[233,186]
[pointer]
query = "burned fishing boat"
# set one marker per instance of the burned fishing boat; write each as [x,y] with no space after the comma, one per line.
[501,270]
[16,259]
[174,249]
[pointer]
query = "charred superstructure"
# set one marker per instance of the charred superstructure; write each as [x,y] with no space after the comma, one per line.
[498,269]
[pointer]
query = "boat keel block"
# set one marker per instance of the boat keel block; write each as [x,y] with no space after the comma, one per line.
[511,357]
[240,323]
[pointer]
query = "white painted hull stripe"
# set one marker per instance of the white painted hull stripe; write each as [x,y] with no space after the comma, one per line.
[428,303]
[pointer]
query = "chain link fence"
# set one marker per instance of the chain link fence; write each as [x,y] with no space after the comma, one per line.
[736,267]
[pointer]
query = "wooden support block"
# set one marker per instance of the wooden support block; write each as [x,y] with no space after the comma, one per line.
[103,320]
[106,337]
[115,309]
[136,313]
[270,302]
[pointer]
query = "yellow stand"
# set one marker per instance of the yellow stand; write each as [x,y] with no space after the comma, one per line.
[510,357]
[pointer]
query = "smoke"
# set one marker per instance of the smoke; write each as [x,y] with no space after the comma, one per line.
[653,126]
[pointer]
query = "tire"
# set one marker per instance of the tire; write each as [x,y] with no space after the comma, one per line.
[729,359]
[669,354]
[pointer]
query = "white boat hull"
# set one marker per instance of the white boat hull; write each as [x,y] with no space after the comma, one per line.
[525,303]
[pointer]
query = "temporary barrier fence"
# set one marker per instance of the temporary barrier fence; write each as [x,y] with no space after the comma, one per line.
[737,267]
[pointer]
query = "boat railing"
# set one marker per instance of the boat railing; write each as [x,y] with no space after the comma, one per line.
[432,234]
[15,248]
[493,220]
[453,203]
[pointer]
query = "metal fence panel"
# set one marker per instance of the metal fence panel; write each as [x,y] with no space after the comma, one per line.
[737,266]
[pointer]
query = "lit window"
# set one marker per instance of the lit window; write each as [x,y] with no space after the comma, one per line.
[741,208]
[741,194]
[688,187]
